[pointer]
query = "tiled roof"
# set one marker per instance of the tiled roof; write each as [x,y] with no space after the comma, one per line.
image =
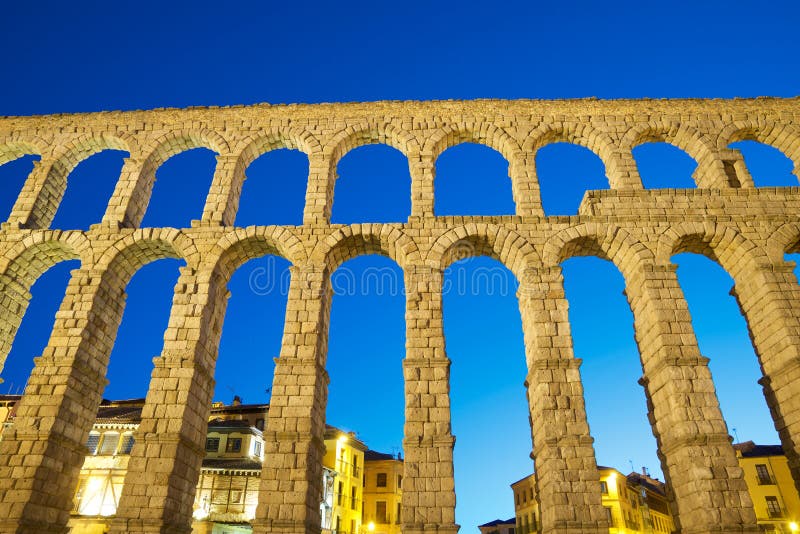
[229,423]
[751,450]
[375,455]
[496,522]
[119,414]
[231,463]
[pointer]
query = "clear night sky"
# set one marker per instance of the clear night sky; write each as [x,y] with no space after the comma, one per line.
[82,56]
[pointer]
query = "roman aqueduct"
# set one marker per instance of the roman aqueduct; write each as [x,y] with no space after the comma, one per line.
[747,230]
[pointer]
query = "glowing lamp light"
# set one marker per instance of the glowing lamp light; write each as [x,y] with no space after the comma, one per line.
[342,439]
[371,526]
[793,526]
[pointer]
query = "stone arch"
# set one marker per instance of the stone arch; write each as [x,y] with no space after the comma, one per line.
[505,246]
[367,133]
[50,190]
[484,133]
[22,266]
[697,145]
[784,240]
[353,241]
[16,147]
[244,244]
[581,134]
[252,147]
[39,251]
[604,241]
[719,242]
[132,252]
[785,138]
[160,149]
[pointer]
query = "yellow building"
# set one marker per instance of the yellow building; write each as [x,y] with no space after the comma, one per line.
[344,459]
[769,481]
[635,504]
[383,492]
[526,506]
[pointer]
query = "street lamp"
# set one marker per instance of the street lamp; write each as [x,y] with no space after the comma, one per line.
[793,527]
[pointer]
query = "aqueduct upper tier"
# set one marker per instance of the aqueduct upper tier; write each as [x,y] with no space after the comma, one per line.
[746,229]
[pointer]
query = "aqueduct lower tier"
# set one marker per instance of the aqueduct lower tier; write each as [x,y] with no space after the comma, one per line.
[747,230]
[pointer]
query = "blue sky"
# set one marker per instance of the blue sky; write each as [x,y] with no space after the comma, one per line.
[84,56]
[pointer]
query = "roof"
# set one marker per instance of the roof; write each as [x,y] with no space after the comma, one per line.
[656,486]
[373,456]
[331,432]
[748,449]
[119,414]
[497,522]
[523,479]
[232,464]
[229,423]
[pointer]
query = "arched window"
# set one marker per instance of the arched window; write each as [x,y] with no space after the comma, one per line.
[89,188]
[472,179]
[253,330]
[181,188]
[373,185]
[275,189]
[767,165]
[723,337]
[601,322]
[140,337]
[663,165]
[566,171]
[490,416]
[37,323]
[12,177]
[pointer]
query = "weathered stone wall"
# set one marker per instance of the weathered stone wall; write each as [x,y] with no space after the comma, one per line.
[747,230]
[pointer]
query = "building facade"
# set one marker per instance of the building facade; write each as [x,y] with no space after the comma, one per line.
[498,526]
[383,492]
[634,504]
[775,497]
[344,460]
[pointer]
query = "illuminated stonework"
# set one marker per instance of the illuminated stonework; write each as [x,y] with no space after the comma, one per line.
[746,229]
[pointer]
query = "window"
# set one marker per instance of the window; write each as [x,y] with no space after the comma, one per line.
[260,424]
[773,508]
[763,475]
[603,487]
[380,512]
[256,448]
[236,497]
[381,482]
[399,513]
[127,444]
[233,445]
[94,440]
[109,444]
[353,502]
[212,444]
[339,495]
[399,481]
[610,516]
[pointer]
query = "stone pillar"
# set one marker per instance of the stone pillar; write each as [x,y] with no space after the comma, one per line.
[222,202]
[568,483]
[131,195]
[423,174]
[164,467]
[429,497]
[525,186]
[714,173]
[319,190]
[14,299]
[623,172]
[41,455]
[291,480]
[707,488]
[38,201]
[735,169]
[769,297]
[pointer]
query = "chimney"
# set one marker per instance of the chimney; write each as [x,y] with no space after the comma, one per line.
[237,400]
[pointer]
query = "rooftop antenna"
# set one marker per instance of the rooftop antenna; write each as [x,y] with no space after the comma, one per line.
[735,435]
[633,470]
